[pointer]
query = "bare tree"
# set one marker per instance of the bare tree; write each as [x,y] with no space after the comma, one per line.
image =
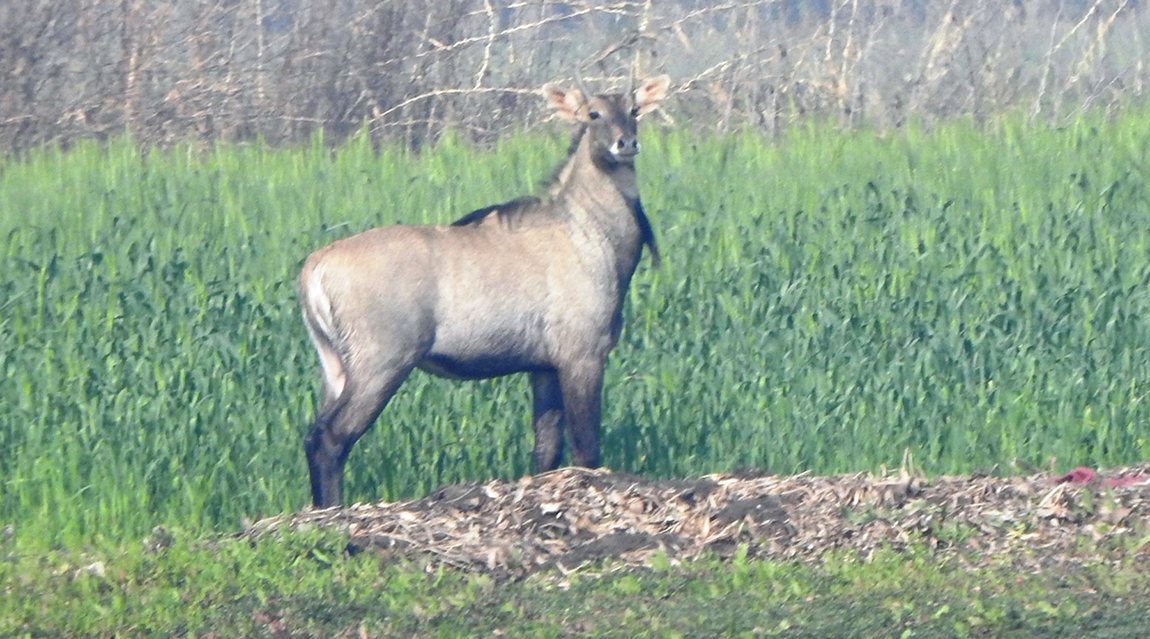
[281,70]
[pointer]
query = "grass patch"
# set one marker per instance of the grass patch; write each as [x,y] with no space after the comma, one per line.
[304,585]
[827,303]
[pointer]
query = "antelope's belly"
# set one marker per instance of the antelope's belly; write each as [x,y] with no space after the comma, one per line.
[487,345]
[478,367]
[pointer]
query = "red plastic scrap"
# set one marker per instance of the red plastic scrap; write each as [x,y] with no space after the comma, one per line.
[1084,475]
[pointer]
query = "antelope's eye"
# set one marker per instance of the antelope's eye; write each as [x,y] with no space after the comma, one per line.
[635,112]
[594,115]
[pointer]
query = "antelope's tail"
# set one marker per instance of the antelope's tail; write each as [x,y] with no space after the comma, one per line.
[319,317]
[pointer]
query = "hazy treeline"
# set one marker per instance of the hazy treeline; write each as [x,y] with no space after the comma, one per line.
[281,69]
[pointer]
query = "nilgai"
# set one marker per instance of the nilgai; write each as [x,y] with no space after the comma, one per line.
[535,285]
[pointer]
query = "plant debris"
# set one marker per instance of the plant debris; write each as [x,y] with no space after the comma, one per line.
[573,517]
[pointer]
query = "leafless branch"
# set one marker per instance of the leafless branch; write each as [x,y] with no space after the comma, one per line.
[237,69]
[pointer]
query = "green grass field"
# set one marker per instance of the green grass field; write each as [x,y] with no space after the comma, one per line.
[301,585]
[826,303]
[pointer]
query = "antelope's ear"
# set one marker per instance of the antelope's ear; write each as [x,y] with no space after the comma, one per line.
[568,103]
[653,90]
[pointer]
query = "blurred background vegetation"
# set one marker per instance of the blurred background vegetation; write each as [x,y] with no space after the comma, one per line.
[279,70]
[890,228]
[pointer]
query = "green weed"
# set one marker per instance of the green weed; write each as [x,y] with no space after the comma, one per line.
[827,302]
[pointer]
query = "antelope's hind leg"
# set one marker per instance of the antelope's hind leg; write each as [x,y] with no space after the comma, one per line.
[353,399]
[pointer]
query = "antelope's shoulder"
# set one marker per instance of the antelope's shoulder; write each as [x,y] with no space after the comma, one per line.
[516,211]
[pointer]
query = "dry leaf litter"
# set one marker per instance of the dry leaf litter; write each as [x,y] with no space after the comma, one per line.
[574,517]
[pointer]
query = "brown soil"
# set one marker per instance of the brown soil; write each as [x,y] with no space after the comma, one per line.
[573,517]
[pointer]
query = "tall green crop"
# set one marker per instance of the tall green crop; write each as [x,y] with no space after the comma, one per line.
[826,302]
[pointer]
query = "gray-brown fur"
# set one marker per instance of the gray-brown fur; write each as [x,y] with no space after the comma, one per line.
[535,285]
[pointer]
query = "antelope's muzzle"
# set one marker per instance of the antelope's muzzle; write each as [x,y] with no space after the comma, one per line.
[625,148]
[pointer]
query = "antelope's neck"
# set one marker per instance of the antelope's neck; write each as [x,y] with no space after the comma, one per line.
[601,190]
[601,203]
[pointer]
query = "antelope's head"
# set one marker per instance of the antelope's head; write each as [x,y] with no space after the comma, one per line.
[610,121]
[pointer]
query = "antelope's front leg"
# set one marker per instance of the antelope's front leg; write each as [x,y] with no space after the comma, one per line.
[582,385]
[548,420]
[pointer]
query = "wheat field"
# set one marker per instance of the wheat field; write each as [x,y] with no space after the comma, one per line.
[829,302]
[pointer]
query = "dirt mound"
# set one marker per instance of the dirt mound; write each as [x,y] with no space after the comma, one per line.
[570,517]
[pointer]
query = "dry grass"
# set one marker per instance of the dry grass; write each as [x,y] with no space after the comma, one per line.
[572,517]
[256,69]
